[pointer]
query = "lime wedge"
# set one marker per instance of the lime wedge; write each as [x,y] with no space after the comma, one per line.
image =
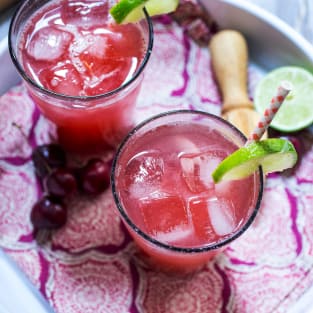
[297,111]
[274,155]
[130,11]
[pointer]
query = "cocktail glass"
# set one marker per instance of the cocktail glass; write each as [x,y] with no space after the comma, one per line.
[84,123]
[164,193]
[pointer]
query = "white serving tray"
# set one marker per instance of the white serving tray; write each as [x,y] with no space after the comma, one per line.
[271,42]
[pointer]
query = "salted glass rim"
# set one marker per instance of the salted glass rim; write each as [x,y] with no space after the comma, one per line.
[13,48]
[141,233]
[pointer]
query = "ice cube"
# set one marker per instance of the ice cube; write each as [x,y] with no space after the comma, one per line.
[79,44]
[190,172]
[62,78]
[221,213]
[97,47]
[102,74]
[181,235]
[108,75]
[146,167]
[90,45]
[85,13]
[197,170]
[163,215]
[143,191]
[199,213]
[49,44]
[144,173]
[240,192]
[224,189]
[180,144]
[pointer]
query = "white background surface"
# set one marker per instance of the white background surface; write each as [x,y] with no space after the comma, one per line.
[298,14]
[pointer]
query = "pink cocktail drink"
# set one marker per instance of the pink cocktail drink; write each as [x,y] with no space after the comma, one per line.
[82,69]
[162,186]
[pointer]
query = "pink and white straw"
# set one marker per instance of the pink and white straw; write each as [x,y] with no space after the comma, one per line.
[276,102]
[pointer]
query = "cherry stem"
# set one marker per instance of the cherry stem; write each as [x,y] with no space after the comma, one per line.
[19,127]
[48,168]
[42,236]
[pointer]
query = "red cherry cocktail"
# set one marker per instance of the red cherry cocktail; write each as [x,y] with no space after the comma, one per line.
[163,189]
[81,68]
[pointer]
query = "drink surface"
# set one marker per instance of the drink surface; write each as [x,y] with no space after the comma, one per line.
[167,189]
[74,48]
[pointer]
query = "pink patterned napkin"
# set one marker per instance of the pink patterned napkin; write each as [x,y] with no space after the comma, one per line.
[91,265]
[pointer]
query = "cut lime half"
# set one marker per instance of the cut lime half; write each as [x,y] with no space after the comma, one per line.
[297,110]
[274,155]
[130,11]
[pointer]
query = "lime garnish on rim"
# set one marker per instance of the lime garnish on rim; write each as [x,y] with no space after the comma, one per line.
[297,111]
[130,11]
[274,155]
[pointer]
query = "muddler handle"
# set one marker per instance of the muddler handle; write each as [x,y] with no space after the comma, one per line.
[229,55]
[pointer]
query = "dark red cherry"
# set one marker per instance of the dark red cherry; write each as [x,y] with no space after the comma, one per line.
[94,177]
[48,213]
[60,182]
[47,157]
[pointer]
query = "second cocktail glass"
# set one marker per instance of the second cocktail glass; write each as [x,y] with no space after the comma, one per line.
[165,195]
[81,69]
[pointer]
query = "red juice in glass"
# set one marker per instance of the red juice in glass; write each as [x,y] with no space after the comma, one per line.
[82,68]
[162,186]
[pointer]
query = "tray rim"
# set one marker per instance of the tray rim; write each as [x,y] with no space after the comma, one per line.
[272,20]
[267,33]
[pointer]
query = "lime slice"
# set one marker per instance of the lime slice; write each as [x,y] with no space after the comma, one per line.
[297,111]
[274,155]
[130,11]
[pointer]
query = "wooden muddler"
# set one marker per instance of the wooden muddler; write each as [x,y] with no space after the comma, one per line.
[229,56]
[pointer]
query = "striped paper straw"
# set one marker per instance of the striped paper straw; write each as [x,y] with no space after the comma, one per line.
[276,102]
